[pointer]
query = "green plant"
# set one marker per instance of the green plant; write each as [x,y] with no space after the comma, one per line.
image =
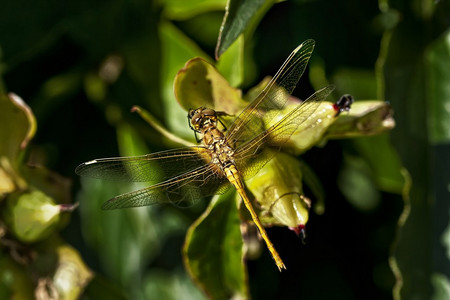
[81,66]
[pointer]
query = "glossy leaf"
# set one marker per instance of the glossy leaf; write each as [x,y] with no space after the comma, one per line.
[72,274]
[238,15]
[32,216]
[8,177]
[216,262]
[170,285]
[17,128]
[318,193]
[52,184]
[386,167]
[438,92]
[311,132]
[231,63]
[416,90]
[125,240]
[355,179]
[365,118]
[177,48]
[59,270]
[200,84]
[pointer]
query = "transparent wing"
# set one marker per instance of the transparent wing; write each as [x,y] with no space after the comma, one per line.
[186,188]
[158,166]
[274,96]
[280,132]
[250,157]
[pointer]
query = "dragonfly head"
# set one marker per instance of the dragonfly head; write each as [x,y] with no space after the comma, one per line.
[201,116]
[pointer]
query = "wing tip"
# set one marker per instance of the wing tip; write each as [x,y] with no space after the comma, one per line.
[330,88]
[308,43]
[80,169]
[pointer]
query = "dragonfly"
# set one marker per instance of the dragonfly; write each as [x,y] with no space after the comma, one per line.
[225,156]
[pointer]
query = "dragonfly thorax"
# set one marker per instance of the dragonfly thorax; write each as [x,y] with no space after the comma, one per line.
[204,120]
[221,154]
[216,142]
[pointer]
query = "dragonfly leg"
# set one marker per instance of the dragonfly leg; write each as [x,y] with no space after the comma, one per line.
[219,114]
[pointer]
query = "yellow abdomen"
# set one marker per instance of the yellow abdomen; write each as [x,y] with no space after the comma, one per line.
[233,176]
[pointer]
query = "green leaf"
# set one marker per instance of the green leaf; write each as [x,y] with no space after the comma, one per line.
[15,282]
[71,274]
[213,250]
[99,288]
[7,177]
[61,85]
[176,50]
[182,9]
[199,84]
[238,16]
[411,64]
[254,91]
[383,160]
[437,69]
[125,240]
[313,182]
[49,182]
[168,285]
[17,128]
[231,63]
[312,130]
[365,118]
[32,216]
[355,180]
[94,87]
[441,286]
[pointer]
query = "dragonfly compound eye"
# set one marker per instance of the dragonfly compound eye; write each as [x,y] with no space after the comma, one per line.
[193,112]
[196,121]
